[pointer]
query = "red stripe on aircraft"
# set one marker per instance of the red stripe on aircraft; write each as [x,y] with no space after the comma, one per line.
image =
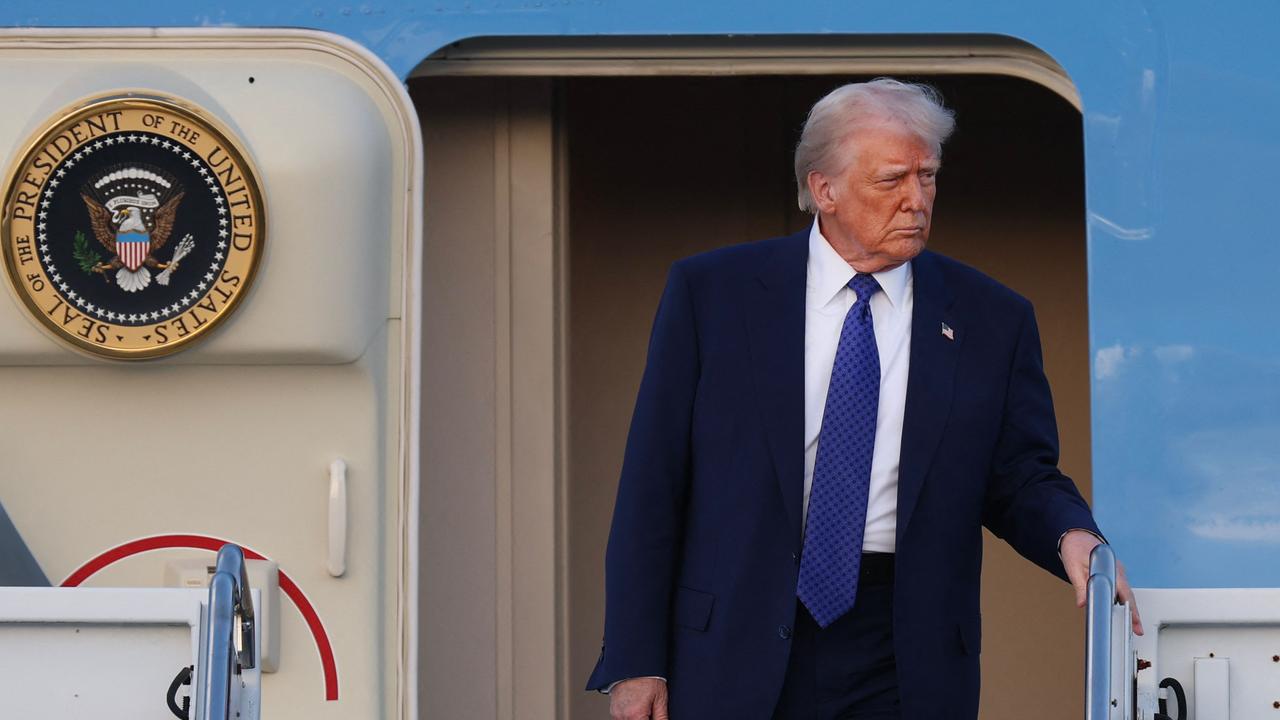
[204,542]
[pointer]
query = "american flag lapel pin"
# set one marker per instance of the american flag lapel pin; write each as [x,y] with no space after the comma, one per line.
[948,333]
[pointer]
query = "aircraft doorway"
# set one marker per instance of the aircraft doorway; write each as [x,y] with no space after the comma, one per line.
[553,208]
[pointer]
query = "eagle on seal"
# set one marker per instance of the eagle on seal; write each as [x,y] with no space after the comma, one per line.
[130,240]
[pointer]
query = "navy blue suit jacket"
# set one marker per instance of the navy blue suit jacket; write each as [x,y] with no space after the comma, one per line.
[704,549]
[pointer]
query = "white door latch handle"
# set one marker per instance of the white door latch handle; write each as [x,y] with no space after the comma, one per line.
[338,517]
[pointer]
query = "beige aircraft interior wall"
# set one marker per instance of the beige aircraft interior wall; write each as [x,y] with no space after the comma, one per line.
[662,168]
[458,609]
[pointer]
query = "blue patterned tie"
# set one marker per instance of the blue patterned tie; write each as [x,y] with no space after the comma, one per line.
[837,515]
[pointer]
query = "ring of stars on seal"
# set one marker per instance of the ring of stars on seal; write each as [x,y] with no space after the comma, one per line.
[133,225]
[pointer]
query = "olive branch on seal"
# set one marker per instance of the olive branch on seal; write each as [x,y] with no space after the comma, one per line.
[84,254]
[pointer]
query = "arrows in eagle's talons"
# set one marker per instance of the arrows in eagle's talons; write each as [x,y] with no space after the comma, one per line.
[183,249]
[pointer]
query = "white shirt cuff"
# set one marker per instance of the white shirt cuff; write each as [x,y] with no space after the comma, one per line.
[614,684]
[1064,535]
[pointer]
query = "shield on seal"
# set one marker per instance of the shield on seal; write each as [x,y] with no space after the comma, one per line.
[133,248]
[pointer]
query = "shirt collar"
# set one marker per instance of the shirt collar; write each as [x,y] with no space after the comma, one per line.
[828,273]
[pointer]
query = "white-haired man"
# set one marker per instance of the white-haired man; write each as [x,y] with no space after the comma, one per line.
[826,422]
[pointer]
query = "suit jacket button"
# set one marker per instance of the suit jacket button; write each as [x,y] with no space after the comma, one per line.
[784,632]
[795,557]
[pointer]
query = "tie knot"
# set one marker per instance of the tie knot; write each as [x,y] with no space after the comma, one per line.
[864,286]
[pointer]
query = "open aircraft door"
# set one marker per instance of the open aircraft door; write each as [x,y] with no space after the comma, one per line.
[209,337]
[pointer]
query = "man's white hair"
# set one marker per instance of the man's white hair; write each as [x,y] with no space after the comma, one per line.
[834,119]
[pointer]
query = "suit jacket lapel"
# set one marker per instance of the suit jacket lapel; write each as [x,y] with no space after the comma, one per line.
[930,381]
[775,302]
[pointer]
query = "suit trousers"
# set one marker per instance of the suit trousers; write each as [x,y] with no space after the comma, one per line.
[846,671]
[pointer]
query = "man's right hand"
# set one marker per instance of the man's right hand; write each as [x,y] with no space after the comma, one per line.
[639,699]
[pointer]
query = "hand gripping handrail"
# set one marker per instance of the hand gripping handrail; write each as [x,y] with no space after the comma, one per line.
[1097,635]
[229,601]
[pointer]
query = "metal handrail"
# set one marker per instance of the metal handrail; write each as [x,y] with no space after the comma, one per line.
[229,601]
[1097,638]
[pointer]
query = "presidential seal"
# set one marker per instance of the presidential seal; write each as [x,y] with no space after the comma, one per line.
[132,226]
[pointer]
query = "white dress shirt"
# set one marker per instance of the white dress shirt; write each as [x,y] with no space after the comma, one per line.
[827,301]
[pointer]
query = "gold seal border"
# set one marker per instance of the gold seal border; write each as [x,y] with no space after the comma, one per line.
[133,99]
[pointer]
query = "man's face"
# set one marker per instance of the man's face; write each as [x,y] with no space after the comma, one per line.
[876,212]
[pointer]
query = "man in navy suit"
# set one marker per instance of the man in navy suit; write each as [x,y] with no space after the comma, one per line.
[825,424]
